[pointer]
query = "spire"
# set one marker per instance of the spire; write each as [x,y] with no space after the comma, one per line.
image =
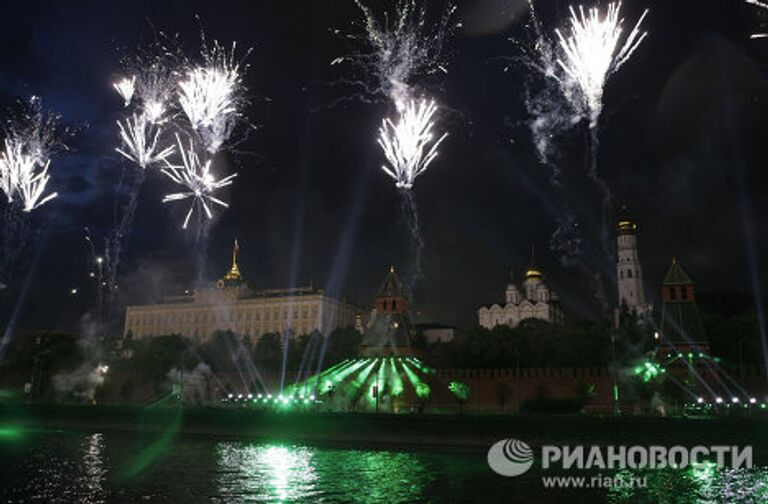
[533,268]
[233,277]
[392,286]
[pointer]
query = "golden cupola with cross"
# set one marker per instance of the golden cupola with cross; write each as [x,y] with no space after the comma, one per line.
[233,277]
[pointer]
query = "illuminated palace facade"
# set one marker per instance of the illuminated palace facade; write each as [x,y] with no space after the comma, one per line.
[535,300]
[231,306]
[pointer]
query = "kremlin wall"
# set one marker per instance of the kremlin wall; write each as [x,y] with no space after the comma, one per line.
[680,347]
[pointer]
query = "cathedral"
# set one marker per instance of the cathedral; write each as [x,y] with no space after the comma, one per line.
[534,300]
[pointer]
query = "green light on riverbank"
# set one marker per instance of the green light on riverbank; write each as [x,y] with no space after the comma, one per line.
[365,379]
[8,433]
[460,390]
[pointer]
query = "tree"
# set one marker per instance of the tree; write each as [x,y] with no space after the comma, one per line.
[154,357]
[343,343]
[269,351]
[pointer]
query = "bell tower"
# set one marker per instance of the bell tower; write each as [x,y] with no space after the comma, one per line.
[629,271]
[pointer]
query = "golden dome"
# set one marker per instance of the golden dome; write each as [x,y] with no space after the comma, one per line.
[233,276]
[626,227]
[533,273]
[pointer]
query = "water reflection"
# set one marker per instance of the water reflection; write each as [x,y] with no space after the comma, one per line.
[94,471]
[703,483]
[288,473]
[271,472]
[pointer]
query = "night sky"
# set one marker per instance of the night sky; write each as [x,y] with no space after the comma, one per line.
[682,144]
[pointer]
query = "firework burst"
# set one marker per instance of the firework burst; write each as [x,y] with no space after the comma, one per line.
[409,143]
[140,137]
[125,87]
[23,176]
[591,51]
[406,45]
[195,175]
[764,6]
[31,139]
[212,96]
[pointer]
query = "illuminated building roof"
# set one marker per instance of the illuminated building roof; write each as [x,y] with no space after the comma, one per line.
[233,277]
[392,286]
[680,320]
[676,275]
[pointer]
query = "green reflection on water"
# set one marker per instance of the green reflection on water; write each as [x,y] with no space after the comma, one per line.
[269,472]
[296,473]
[152,452]
[10,433]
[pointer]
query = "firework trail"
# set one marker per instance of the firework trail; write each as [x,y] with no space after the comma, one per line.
[762,5]
[574,66]
[396,53]
[410,213]
[591,51]
[31,139]
[164,94]
[141,138]
[410,146]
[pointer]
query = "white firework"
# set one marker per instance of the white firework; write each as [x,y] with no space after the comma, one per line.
[762,5]
[409,144]
[24,175]
[10,161]
[140,141]
[198,180]
[406,44]
[590,51]
[211,96]
[125,87]
[31,139]
[154,111]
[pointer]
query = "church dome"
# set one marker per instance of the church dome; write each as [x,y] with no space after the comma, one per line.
[625,225]
[533,270]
